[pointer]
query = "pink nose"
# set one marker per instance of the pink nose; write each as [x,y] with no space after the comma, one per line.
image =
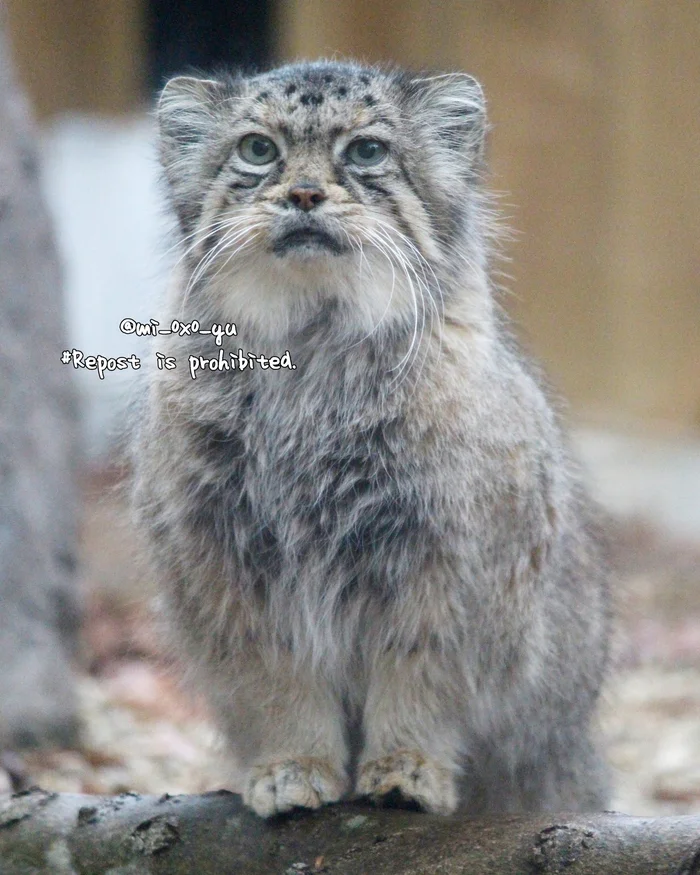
[306,197]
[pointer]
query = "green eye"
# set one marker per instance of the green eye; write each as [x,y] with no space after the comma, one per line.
[257,149]
[366,153]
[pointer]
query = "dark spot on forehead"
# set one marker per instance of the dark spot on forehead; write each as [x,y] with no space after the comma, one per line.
[369,100]
[263,95]
[290,89]
[342,91]
[311,99]
[328,78]
[364,79]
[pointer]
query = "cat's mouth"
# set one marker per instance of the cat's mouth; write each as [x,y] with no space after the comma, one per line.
[308,240]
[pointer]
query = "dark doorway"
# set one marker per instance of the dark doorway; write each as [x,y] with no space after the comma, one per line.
[206,34]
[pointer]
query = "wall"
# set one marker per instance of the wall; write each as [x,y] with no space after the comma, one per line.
[78,55]
[596,123]
[595,109]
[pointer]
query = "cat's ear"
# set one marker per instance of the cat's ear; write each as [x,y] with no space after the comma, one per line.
[187,111]
[454,108]
[191,115]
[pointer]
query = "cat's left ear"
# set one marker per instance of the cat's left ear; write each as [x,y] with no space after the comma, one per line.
[453,106]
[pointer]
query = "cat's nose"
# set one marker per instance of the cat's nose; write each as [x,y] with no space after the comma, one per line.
[305,196]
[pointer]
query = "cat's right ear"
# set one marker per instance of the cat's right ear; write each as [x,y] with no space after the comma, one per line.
[186,113]
[189,113]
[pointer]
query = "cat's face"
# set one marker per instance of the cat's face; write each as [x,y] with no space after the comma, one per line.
[312,173]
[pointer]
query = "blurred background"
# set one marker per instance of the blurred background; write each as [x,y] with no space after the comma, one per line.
[595,112]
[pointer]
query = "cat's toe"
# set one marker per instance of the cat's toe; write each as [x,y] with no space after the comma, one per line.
[306,782]
[413,777]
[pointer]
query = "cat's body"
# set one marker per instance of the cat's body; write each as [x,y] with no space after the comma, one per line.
[378,566]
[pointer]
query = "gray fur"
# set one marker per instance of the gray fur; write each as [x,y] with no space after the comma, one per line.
[379,567]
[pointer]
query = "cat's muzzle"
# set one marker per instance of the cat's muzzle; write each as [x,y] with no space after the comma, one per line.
[307,237]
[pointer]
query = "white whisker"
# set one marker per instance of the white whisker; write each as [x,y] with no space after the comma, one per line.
[418,307]
[437,307]
[382,249]
[202,234]
[230,238]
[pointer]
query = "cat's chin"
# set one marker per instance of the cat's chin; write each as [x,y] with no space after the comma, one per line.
[307,238]
[308,243]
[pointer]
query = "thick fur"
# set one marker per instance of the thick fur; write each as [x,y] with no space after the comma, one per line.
[379,567]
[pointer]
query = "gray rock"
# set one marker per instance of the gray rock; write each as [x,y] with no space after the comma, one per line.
[38,430]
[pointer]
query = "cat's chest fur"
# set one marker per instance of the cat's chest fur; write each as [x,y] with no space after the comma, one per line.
[314,473]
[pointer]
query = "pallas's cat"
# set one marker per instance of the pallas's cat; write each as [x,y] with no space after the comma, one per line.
[374,553]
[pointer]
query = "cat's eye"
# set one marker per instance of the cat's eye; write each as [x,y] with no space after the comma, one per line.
[257,149]
[366,153]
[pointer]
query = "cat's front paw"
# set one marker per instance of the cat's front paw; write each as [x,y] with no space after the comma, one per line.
[305,782]
[412,775]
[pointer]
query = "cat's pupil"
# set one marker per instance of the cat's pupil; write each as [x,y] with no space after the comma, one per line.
[260,148]
[367,150]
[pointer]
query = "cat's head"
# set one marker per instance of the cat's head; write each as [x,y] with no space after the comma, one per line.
[311,173]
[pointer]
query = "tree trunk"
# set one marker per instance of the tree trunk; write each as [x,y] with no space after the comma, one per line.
[66,834]
[38,608]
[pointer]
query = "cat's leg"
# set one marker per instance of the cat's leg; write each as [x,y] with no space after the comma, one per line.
[557,769]
[412,733]
[285,726]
